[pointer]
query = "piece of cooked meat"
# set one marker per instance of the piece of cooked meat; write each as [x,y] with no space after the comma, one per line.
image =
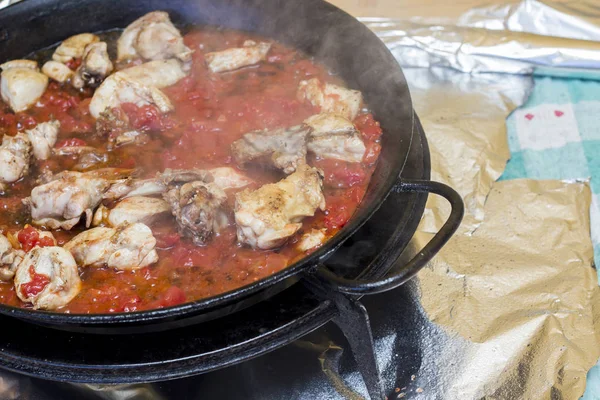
[267,217]
[57,71]
[95,66]
[62,201]
[119,88]
[43,137]
[88,157]
[196,202]
[21,84]
[15,153]
[229,178]
[311,239]
[130,210]
[237,57]
[10,258]
[126,247]
[152,37]
[283,148]
[158,74]
[73,47]
[333,136]
[135,187]
[197,207]
[331,98]
[54,271]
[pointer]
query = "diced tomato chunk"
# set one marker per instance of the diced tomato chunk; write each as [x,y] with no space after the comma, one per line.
[368,126]
[341,174]
[130,303]
[28,238]
[165,240]
[337,216]
[45,241]
[145,118]
[372,153]
[37,283]
[74,63]
[172,297]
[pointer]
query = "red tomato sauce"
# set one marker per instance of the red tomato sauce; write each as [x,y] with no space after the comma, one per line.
[211,112]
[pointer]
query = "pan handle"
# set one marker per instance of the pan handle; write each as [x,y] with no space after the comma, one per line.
[363,287]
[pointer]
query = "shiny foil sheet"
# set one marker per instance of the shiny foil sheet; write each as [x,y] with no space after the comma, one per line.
[508,309]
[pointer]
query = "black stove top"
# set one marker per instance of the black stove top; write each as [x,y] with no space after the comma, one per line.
[289,317]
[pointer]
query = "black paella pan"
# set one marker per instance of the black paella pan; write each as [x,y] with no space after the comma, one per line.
[334,38]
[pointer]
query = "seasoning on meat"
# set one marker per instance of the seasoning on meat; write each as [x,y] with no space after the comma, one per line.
[127,247]
[73,47]
[331,98]
[267,217]
[284,148]
[333,136]
[152,37]
[47,277]
[62,201]
[21,84]
[235,58]
[119,88]
[95,66]
[130,210]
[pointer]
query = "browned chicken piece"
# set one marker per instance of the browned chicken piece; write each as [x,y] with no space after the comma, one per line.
[331,98]
[238,57]
[126,247]
[224,177]
[197,207]
[311,239]
[95,66]
[269,216]
[196,203]
[57,71]
[135,187]
[10,258]
[119,88]
[130,210]
[62,277]
[62,201]
[42,138]
[333,136]
[158,74]
[15,153]
[21,84]
[73,47]
[88,157]
[283,148]
[152,37]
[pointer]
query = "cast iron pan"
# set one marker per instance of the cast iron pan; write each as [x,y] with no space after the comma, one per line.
[336,39]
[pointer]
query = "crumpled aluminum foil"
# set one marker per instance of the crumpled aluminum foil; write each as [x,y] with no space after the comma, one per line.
[517,301]
[464,119]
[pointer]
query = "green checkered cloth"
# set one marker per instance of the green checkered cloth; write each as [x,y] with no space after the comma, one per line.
[556,135]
